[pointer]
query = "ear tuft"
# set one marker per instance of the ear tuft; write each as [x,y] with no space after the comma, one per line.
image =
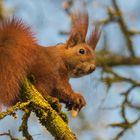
[94,36]
[79,28]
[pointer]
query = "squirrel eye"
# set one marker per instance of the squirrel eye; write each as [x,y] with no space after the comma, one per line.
[82,51]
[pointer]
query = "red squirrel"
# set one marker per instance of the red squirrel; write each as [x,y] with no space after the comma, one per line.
[21,55]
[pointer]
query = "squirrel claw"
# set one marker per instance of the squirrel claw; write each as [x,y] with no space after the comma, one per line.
[77,102]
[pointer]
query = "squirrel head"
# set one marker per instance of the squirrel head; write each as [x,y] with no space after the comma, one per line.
[78,53]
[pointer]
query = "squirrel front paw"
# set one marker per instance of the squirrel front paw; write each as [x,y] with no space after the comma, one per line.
[76,102]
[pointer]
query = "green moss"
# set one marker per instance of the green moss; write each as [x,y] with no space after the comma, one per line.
[46,114]
[64,117]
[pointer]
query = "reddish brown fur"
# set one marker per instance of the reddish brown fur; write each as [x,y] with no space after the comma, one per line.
[16,48]
[94,37]
[52,66]
[80,25]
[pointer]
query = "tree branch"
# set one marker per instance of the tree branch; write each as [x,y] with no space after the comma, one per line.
[24,125]
[116,60]
[48,117]
[13,109]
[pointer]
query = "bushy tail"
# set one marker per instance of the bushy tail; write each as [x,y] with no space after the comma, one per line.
[17,48]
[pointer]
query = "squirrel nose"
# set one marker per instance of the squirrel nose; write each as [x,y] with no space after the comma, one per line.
[92,68]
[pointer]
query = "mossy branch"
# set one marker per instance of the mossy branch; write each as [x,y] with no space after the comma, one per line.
[48,117]
[13,109]
[24,126]
[32,101]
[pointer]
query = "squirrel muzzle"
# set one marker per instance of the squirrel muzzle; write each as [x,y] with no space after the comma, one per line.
[83,69]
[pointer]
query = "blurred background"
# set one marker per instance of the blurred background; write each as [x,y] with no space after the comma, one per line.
[112,92]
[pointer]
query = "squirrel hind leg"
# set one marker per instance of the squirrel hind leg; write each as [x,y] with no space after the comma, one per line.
[10,88]
[11,76]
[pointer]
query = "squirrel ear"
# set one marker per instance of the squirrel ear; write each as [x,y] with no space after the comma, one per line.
[79,28]
[94,36]
[75,39]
